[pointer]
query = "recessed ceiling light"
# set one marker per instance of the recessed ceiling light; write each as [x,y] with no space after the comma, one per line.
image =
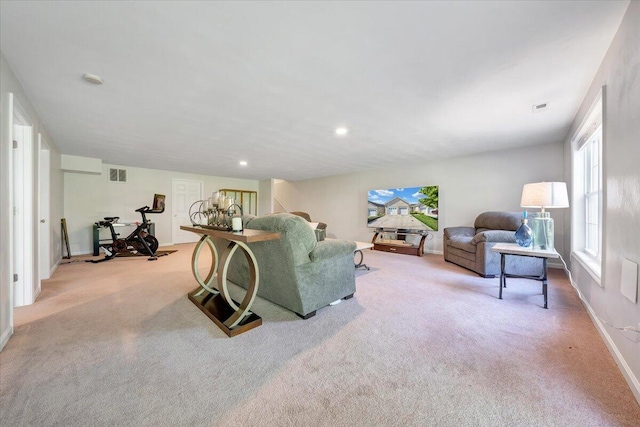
[342,131]
[93,79]
[243,163]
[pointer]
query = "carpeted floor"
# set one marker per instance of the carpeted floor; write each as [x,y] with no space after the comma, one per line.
[422,343]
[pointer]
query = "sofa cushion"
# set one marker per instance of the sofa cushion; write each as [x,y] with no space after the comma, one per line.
[328,249]
[464,258]
[494,236]
[246,219]
[459,231]
[498,221]
[296,235]
[463,243]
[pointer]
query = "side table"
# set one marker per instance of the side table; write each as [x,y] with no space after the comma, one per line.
[360,246]
[514,249]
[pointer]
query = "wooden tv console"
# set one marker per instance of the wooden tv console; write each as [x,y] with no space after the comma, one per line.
[396,241]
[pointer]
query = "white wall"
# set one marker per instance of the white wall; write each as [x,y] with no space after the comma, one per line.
[469,185]
[620,72]
[10,84]
[265,196]
[89,198]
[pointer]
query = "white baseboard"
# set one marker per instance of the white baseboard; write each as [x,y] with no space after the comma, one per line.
[54,268]
[5,337]
[634,383]
[436,252]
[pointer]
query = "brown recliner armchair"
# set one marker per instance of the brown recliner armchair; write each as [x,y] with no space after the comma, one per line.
[321,225]
[321,229]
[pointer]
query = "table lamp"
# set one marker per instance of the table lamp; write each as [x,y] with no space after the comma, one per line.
[544,195]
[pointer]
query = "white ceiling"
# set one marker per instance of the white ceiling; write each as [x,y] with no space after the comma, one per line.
[199,86]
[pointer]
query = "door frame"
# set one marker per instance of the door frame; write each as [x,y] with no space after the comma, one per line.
[174,229]
[23,243]
[44,210]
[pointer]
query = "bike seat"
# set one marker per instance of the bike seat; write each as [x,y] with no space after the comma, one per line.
[111,218]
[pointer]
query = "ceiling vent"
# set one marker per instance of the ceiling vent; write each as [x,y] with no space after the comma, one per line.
[117,175]
[539,108]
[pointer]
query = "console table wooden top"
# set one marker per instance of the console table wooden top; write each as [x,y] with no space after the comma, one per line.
[245,236]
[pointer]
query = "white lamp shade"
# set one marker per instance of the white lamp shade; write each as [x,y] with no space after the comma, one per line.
[545,195]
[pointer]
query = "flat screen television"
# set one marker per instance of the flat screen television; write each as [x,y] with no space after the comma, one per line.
[410,209]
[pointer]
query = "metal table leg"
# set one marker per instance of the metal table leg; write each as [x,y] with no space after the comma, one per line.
[503,279]
[360,263]
[544,281]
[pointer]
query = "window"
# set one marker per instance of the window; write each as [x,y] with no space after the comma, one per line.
[588,191]
[593,193]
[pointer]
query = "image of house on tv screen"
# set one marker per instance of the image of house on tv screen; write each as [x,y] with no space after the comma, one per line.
[414,208]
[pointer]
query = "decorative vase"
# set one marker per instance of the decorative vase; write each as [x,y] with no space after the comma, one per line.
[524,236]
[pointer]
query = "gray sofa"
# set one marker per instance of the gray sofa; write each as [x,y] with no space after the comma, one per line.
[296,272]
[470,247]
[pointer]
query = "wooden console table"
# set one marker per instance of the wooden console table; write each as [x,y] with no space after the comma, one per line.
[216,303]
[399,245]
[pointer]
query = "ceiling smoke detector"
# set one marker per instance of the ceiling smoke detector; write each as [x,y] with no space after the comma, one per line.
[539,108]
[92,78]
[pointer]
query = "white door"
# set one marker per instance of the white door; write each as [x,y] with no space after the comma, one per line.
[44,236]
[24,271]
[185,193]
[404,211]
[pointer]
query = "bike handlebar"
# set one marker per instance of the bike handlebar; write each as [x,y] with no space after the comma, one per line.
[147,209]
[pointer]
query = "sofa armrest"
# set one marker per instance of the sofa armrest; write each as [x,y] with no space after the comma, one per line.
[459,231]
[327,249]
[494,236]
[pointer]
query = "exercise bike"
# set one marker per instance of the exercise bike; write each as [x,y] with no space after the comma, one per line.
[139,241]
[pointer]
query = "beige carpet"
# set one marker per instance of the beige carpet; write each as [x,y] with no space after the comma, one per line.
[423,343]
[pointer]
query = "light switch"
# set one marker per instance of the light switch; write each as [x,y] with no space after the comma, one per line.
[629,280]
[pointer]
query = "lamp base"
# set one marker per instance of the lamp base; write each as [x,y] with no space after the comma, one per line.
[542,231]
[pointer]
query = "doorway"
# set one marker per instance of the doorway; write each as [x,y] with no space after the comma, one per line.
[44,226]
[24,290]
[184,193]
